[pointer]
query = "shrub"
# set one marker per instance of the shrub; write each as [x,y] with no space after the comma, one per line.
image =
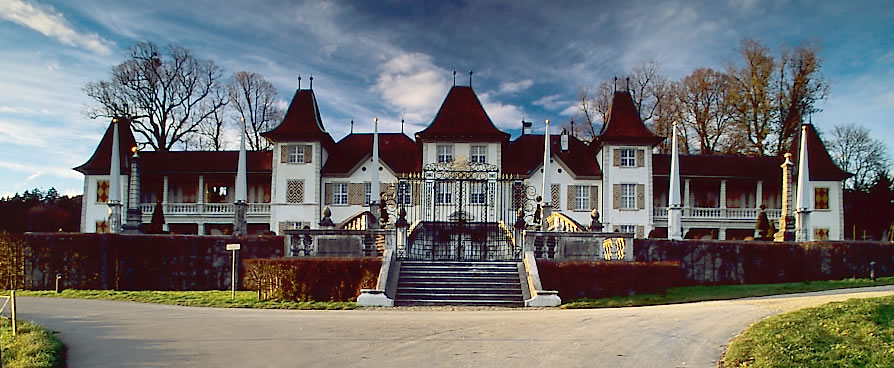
[595,279]
[311,279]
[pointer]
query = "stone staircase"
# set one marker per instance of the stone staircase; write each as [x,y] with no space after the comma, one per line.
[459,283]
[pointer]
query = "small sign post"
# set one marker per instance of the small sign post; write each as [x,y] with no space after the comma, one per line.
[234,248]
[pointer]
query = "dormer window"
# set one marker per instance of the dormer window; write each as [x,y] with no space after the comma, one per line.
[628,157]
[445,153]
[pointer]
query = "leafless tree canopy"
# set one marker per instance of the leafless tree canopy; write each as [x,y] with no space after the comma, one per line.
[703,97]
[167,92]
[855,151]
[254,99]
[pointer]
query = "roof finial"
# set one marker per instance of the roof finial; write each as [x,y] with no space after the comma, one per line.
[352,126]
[454,78]
[470,78]
[311,81]
[299,81]
[402,123]
[628,83]
[615,85]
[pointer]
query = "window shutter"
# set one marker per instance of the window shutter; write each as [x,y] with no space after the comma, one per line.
[616,196]
[640,158]
[308,153]
[594,197]
[569,197]
[617,157]
[554,196]
[640,196]
[356,193]
[328,193]
[417,193]
[284,153]
[640,229]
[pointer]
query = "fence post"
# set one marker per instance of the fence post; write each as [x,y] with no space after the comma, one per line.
[12,310]
[872,271]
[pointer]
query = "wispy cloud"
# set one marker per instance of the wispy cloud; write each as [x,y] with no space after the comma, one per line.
[50,23]
[515,86]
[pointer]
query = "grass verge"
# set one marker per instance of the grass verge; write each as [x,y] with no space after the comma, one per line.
[213,298]
[853,333]
[702,293]
[33,346]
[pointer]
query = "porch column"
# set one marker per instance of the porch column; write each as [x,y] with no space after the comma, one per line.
[686,202]
[723,194]
[164,200]
[200,197]
[759,194]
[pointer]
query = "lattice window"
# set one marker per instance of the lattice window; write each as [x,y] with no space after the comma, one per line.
[340,194]
[295,192]
[478,193]
[478,154]
[582,197]
[404,193]
[628,157]
[628,196]
[445,153]
[442,193]
[367,193]
[821,198]
[296,154]
[102,191]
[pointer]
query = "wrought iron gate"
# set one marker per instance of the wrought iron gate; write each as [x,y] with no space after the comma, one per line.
[462,211]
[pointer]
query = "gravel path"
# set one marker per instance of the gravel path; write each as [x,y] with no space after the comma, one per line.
[116,334]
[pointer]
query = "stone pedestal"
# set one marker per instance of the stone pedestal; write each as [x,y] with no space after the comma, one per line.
[786,230]
[240,223]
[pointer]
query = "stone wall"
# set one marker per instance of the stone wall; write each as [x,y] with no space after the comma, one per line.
[137,262]
[755,262]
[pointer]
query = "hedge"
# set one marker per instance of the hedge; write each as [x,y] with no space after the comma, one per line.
[597,279]
[311,279]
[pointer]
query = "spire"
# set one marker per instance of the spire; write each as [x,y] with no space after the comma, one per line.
[803,207]
[675,226]
[241,185]
[115,182]
[374,175]
[299,81]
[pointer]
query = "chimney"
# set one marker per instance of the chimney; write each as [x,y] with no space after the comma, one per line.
[563,141]
[526,127]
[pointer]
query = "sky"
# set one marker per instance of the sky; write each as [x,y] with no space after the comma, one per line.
[394,59]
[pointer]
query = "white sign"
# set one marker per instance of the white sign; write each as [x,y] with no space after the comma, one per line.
[233,246]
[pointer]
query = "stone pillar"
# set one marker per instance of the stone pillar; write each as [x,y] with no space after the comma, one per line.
[164,200]
[722,194]
[759,194]
[134,214]
[786,220]
[687,203]
[200,195]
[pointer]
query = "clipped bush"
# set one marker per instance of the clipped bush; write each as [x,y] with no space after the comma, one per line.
[311,279]
[596,279]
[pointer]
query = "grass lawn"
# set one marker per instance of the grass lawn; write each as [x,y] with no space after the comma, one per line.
[702,293]
[853,333]
[213,298]
[32,347]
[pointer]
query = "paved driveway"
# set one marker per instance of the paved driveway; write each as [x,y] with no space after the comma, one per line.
[117,334]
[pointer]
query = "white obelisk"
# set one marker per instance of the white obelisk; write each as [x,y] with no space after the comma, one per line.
[804,207]
[674,209]
[115,182]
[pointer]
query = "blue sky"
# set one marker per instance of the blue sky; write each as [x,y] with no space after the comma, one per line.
[393,59]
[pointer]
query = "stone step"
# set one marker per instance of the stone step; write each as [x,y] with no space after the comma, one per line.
[459,283]
[483,303]
[457,290]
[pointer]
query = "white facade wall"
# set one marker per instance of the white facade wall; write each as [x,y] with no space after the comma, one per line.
[362,174]
[310,208]
[494,151]
[638,174]
[560,175]
[94,211]
[831,219]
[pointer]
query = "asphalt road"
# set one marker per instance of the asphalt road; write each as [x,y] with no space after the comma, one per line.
[124,334]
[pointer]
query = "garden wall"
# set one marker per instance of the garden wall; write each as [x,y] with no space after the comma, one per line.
[312,278]
[756,262]
[598,279]
[131,262]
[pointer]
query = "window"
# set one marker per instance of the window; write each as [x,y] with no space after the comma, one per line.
[627,228]
[102,191]
[295,192]
[367,197]
[404,193]
[445,153]
[582,197]
[340,194]
[296,154]
[478,193]
[820,233]
[628,157]
[478,154]
[821,198]
[442,193]
[628,196]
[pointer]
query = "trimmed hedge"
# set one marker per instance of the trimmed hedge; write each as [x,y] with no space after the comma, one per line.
[129,262]
[597,279]
[712,262]
[311,279]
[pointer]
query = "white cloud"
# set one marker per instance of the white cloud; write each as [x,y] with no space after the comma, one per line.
[515,87]
[413,85]
[50,23]
[504,116]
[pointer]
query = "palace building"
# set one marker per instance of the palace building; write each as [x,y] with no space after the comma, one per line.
[460,169]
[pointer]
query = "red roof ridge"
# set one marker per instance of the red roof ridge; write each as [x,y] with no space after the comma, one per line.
[822,166]
[624,123]
[462,118]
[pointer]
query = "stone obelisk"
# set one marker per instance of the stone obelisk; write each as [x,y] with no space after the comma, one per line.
[674,209]
[240,222]
[804,207]
[546,186]
[115,182]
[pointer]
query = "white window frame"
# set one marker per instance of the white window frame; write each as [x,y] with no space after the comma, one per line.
[627,229]
[478,153]
[582,197]
[404,193]
[296,154]
[367,193]
[478,193]
[442,193]
[628,196]
[340,194]
[445,153]
[628,157]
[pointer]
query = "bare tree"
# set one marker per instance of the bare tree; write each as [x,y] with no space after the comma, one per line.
[593,107]
[254,99]
[752,95]
[800,86]
[855,151]
[704,99]
[166,92]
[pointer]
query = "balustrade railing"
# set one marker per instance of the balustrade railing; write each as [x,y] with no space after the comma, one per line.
[719,213]
[204,209]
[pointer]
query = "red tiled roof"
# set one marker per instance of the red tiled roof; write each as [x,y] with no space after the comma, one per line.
[624,124]
[203,162]
[821,165]
[396,150]
[525,154]
[462,118]
[100,162]
[721,166]
[302,121]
